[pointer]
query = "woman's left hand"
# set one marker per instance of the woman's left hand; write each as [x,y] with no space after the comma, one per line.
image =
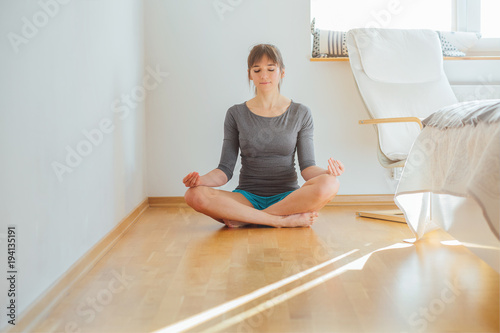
[335,167]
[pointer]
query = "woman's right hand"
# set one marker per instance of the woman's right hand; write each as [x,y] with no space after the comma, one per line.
[192,180]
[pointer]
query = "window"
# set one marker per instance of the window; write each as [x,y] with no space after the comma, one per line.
[345,15]
[451,15]
[490,23]
[479,16]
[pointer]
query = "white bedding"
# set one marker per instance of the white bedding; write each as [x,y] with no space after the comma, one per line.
[451,178]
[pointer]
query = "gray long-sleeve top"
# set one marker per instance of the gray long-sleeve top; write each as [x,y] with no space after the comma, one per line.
[268,146]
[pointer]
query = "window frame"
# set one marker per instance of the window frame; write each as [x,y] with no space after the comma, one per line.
[467,18]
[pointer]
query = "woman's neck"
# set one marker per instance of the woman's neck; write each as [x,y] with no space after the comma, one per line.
[268,105]
[268,101]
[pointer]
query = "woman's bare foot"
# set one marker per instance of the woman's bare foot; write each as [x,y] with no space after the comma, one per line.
[287,221]
[298,220]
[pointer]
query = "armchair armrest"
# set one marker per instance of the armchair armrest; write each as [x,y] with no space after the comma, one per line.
[392,120]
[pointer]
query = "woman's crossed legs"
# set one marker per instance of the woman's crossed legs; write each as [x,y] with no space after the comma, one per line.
[298,209]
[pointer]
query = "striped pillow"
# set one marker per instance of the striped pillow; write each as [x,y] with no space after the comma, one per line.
[328,43]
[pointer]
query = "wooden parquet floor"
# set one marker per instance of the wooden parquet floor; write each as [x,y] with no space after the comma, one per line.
[177,270]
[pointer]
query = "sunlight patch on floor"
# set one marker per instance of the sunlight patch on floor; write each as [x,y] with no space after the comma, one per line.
[210,314]
[357,264]
[223,308]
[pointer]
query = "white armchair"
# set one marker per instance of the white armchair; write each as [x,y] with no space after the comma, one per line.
[400,77]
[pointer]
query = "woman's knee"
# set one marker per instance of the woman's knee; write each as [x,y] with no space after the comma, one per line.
[328,186]
[195,198]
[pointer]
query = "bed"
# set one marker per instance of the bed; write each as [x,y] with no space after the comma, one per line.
[451,179]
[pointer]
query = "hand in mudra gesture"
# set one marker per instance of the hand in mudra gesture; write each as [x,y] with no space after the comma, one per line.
[192,180]
[335,167]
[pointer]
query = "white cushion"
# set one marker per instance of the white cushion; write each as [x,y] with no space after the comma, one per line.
[386,53]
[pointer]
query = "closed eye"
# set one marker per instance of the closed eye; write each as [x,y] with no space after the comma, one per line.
[269,69]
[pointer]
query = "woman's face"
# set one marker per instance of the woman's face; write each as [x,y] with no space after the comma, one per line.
[265,75]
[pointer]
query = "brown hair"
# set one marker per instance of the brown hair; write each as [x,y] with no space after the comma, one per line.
[268,50]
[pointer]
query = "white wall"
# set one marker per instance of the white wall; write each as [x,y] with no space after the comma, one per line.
[206,58]
[205,54]
[63,80]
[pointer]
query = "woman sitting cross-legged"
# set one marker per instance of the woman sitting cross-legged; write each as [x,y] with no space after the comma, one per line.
[268,130]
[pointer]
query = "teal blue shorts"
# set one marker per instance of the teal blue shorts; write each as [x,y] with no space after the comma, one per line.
[260,202]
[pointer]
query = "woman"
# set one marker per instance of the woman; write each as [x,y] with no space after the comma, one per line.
[268,129]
